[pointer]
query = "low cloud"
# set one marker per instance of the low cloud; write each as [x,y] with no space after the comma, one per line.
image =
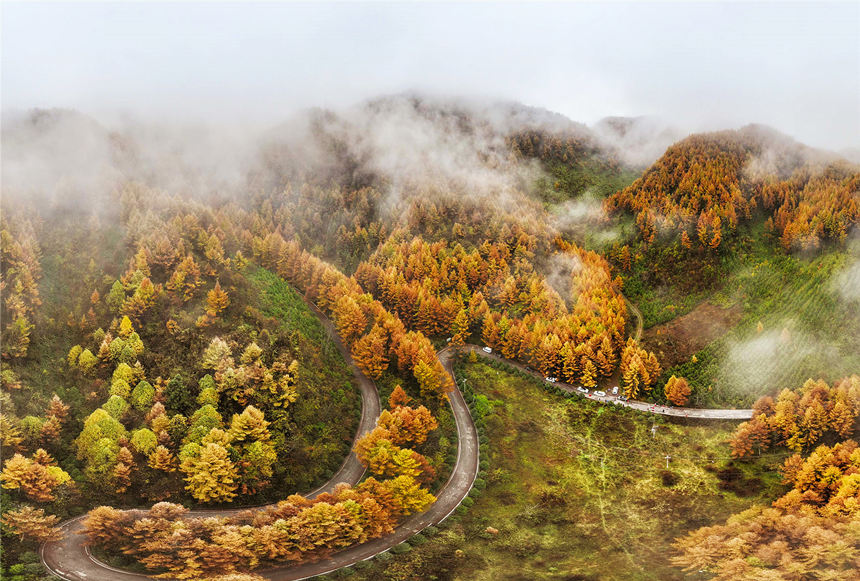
[558,273]
[781,358]
[637,141]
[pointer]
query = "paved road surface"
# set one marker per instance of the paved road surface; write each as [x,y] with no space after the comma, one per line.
[70,558]
[707,414]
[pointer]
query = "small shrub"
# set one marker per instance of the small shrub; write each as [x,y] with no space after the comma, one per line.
[669,478]
[403,547]
[417,540]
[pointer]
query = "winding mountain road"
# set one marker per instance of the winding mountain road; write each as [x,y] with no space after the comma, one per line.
[663,410]
[70,558]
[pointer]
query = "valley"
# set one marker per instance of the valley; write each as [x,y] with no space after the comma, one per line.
[380,362]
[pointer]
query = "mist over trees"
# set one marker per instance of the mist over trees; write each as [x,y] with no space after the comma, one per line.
[163,288]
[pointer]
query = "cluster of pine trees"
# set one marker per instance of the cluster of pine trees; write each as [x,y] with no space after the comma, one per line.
[376,336]
[811,531]
[703,186]
[383,450]
[292,530]
[19,276]
[494,291]
[296,529]
[799,419]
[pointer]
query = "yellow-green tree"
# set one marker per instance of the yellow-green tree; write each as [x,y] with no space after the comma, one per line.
[216,300]
[210,474]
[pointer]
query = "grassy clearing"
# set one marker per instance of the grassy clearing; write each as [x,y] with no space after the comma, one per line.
[326,388]
[795,326]
[581,491]
[569,181]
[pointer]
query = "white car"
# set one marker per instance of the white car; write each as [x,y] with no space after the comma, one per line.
[581,389]
[551,379]
[615,390]
[600,393]
[487,350]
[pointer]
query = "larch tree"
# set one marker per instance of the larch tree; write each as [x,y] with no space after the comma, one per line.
[57,409]
[37,477]
[216,300]
[461,328]
[634,377]
[249,436]
[407,425]
[370,353]
[677,390]
[398,397]
[87,361]
[125,328]
[106,526]
[162,459]
[211,476]
[588,373]
[217,355]
[349,318]
[32,524]
[408,494]
[432,379]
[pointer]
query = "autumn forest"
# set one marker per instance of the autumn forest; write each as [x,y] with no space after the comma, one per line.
[324,359]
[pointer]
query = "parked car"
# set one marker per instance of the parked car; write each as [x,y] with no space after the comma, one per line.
[487,350]
[581,389]
[600,393]
[615,390]
[623,398]
[551,379]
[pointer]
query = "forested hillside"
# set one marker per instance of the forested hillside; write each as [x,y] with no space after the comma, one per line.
[760,226]
[166,340]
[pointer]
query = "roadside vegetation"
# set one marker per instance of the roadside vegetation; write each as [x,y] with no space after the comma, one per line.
[575,490]
[750,221]
[166,347]
[796,320]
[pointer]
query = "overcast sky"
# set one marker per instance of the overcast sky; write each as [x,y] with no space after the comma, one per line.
[794,66]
